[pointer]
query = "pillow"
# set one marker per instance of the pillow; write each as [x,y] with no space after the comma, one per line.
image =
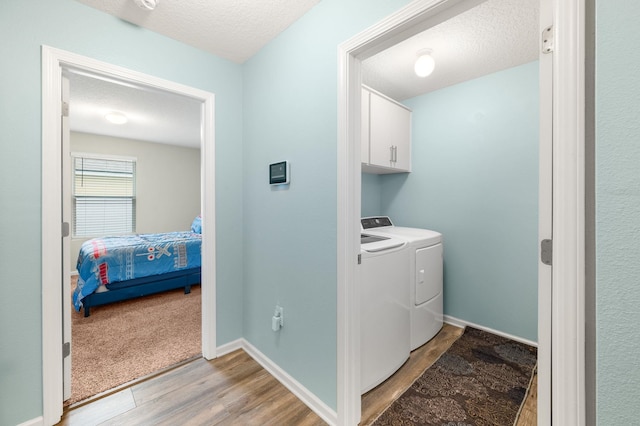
[196,225]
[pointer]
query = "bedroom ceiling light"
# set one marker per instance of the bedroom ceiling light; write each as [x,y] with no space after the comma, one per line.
[424,64]
[147,4]
[116,118]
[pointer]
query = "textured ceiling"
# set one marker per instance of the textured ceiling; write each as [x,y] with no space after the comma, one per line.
[496,35]
[231,29]
[154,115]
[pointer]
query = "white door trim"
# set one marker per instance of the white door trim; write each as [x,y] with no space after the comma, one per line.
[53,61]
[568,302]
[545,217]
[567,312]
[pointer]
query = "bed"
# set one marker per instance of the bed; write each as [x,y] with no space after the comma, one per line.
[112,269]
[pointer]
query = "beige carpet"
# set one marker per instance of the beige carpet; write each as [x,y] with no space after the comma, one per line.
[128,340]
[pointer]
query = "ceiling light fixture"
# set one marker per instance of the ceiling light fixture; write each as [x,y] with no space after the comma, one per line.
[147,4]
[424,64]
[116,118]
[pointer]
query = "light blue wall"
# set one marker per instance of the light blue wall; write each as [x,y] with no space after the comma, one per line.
[371,197]
[290,113]
[475,179]
[69,25]
[617,211]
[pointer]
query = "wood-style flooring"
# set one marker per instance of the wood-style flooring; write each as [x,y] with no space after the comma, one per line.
[236,390]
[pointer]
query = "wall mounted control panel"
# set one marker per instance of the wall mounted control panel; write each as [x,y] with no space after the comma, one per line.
[279,173]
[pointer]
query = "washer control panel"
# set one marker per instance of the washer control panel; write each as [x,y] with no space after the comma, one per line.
[375,222]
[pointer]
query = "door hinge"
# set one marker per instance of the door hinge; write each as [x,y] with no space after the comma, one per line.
[66,349]
[359,259]
[65,229]
[65,109]
[547,39]
[546,251]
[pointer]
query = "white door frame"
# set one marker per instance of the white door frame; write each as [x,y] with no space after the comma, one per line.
[53,62]
[568,293]
[561,324]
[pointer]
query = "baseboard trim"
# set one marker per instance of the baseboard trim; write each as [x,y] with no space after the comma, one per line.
[38,421]
[306,396]
[229,347]
[462,323]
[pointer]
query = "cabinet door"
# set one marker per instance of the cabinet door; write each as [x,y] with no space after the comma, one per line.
[390,134]
[364,128]
[403,139]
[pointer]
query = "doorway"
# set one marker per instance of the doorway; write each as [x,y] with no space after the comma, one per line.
[54,62]
[128,182]
[561,201]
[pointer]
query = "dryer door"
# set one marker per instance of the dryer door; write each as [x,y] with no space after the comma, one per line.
[428,273]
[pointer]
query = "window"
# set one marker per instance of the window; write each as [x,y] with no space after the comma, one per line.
[104,196]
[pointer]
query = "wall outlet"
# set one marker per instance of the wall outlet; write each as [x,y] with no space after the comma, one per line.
[277,320]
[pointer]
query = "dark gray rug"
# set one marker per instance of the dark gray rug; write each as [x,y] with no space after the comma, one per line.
[481,380]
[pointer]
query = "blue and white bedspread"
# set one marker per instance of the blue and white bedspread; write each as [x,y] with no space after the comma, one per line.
[112,259]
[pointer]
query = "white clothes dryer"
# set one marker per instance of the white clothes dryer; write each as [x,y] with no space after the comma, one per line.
[384,308]
[426,275]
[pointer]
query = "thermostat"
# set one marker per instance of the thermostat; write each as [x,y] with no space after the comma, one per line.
[279,173]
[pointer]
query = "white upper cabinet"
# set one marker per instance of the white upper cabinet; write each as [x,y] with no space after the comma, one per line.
[364,129]
[386,134]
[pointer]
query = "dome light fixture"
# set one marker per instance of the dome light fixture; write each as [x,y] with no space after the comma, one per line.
[424,63]
[147,4]
[116,117]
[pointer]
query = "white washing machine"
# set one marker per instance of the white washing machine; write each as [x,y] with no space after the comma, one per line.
[426,273]
[384,308]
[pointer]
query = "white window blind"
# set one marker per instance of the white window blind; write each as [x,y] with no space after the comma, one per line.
[104,196]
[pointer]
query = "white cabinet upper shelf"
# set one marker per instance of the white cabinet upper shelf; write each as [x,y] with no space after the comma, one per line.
[386,134]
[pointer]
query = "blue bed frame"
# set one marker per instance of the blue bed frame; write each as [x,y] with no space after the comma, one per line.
[144,286]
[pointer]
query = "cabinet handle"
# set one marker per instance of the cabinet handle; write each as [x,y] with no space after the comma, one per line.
[391,154]
[395,154]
